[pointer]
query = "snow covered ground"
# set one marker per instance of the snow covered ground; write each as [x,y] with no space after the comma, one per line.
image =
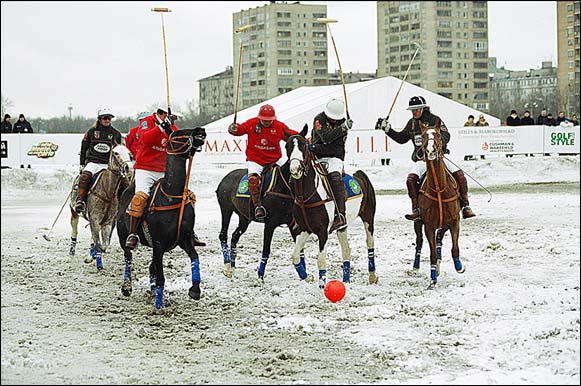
[513,317]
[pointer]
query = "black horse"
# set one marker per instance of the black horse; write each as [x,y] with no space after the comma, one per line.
[160,224]
[277,201]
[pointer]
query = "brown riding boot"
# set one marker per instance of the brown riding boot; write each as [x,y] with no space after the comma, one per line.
[84,182]
[413,185]
[338,187]
[254,187]
[463,187]
[135,211]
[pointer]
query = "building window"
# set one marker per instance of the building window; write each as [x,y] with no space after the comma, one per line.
[443,13]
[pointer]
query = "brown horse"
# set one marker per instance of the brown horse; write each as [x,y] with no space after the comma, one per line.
[438,201]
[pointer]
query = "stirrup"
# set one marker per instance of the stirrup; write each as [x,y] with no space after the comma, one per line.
[80,206]
[414,216]
[256,215]
[132,241]
[198,242]
[337,226]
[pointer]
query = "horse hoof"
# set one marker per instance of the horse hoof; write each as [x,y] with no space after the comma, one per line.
[432,285]
[195,292]
[261,277]
[89,260]
[71,252]
[126,288]
[373,278]
[462,270]
[310,278]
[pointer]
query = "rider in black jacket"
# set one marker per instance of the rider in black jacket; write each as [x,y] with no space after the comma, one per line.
[412,131]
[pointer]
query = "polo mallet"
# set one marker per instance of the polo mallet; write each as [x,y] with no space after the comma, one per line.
[327,22]
[162,11]
[418,49]
[46,235]
[239,30]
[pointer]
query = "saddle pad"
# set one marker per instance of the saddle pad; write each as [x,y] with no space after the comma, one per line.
[243,190]
[352,187]
[96,178]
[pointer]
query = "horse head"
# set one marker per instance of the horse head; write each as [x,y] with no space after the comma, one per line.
[121,161]
[298,153]
[431,142]
[186,142]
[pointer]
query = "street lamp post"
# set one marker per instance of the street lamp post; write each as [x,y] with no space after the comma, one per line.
[70,108]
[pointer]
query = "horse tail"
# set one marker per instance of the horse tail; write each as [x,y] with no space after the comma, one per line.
[368,188]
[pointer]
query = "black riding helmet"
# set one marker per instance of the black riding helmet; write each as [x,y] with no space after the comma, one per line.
[417,102]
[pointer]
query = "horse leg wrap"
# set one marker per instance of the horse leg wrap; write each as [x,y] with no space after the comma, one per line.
[262,266]
[158,297]
[371,259]
[458,264]
[301,271]
[439,249]
[92,251]
[322,278]
[433,273]
[233,253]
[417,259]
[99,260]
[303,262]
[196,277]
[73,246]
[346,271]
[127,273]
[225,252]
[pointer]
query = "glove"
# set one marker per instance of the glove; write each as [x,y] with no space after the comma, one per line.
[383,124]
[349,123]
[312,147]
[81,168]
[232,128]
[166,127]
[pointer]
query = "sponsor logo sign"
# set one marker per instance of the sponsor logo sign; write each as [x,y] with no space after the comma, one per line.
[43,150]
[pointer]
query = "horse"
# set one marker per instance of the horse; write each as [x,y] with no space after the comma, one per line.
[102,203]
[169,217]
[313,211]
[277,200]
[438,202]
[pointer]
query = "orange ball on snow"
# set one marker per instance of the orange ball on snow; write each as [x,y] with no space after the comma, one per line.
[335,290]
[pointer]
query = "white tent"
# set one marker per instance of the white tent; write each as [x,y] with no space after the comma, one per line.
[367,101]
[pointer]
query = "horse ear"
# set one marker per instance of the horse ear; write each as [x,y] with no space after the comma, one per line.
[304,130]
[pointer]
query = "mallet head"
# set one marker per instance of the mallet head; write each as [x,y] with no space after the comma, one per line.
[326,20]
[160,10]
[242,29]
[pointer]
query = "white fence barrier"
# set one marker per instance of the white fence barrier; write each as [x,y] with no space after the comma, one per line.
[361,145]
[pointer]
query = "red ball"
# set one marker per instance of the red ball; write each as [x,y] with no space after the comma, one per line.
[335,291]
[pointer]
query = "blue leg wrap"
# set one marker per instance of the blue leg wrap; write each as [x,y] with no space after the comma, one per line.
[371,259]
[417,259]
[346,272]
[127,274]
[433,273]
[225,252]
[158,297]
[233,256]
[457,263]
[301,271]
[439,249]
[99,260]
[196,277]
[262,265]
[303,262]
[92,251]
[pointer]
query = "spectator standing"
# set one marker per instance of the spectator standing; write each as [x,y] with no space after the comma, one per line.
[527,120]
[6,124]
[561,118]
[550,121]
[481,121]
[542,119]
[513,119]
[470,121]
[574,120]
[22,125]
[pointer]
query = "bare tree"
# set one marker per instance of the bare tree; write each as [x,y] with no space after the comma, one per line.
[6,104]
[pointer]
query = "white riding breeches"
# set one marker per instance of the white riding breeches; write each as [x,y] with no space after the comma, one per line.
[419,168]
[254,168]
[332,164]
[144,180]
[94,168]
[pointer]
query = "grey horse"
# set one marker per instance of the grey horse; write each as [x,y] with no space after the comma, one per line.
[102,203]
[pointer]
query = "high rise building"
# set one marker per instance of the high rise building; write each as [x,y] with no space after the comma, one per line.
[284,48]
[453,35]
[568,56]
[217,95]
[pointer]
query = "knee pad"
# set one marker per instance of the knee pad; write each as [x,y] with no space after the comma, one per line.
[138,204]
[254,183]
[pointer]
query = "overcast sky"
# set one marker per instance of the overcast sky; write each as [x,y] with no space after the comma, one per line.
[93,54]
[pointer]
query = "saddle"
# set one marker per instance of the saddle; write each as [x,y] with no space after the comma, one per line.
[268,180]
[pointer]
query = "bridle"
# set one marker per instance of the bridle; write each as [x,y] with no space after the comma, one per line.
[119,166]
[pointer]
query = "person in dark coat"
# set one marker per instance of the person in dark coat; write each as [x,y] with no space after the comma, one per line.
[527,120]
[6,124]
[513,119]
[413,132]
[550,121]
[561,118]
[22,125]
[574,120]
[542,118]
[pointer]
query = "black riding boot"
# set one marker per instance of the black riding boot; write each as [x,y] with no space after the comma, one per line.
[336,182]
[413,185]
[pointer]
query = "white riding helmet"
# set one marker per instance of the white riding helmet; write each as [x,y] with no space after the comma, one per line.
[335,109]
[143,115]
[105,112]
